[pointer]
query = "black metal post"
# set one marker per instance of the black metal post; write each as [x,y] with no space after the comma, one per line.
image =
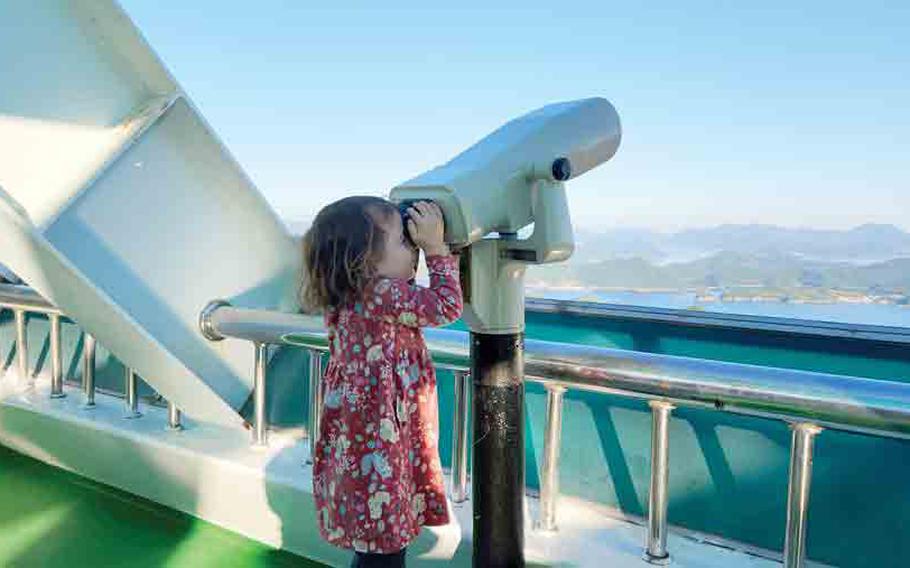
[498,479]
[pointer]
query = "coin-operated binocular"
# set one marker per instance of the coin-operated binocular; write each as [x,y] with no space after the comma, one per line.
[507,181]
[512,178]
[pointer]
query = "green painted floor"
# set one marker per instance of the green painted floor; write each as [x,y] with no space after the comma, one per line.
[50,517]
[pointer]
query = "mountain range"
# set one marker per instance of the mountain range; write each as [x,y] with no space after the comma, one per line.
[729,270]
[871,258]
[863,244]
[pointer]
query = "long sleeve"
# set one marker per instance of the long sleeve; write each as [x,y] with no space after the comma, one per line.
[399,301]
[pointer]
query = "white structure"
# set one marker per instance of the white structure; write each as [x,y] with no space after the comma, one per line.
[120,205]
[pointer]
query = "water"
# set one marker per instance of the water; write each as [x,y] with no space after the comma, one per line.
[870,314]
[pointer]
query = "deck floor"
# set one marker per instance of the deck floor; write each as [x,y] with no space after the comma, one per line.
[50,518]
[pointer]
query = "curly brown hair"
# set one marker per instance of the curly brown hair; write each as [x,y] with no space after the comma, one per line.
[341,249]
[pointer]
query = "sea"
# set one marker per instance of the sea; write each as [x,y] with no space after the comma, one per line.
[858,313]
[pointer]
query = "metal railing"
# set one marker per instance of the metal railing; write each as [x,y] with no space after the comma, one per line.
[22,300]
[808,401]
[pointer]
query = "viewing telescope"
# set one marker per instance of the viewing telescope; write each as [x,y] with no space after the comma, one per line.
[502,184]
[512,178]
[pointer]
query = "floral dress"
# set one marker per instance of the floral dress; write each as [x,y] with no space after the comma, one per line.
[377,476]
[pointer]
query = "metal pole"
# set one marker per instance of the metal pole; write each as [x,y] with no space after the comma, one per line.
[260,434]
[656,552]
[88,369]
[56,358]
[798,493]
[21,344]
[549,482]
[460,438]
[173,417]
[498,479]
[132,394]
[315,410]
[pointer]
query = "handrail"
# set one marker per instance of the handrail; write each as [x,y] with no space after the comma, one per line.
[20,297]
[22,300]
[836,401]
[806,400]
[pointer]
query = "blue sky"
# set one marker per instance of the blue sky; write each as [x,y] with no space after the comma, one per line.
[793,113]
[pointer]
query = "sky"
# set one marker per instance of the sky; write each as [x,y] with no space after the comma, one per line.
[788,113]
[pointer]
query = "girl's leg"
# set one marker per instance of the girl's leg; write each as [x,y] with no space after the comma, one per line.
[370,560]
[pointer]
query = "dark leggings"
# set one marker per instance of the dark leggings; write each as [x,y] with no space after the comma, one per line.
[371,560]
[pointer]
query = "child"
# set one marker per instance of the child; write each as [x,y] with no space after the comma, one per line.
[377,477]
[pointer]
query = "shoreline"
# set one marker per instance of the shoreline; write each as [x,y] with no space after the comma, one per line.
[700,297]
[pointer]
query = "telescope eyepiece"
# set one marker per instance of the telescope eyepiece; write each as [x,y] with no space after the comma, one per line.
[561,169]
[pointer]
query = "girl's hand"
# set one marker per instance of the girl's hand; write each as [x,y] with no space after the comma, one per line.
[427,228]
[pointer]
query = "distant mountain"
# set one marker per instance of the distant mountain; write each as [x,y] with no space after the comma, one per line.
[729,270]
[620,243]
[871,258]
[884,276]
[863,244]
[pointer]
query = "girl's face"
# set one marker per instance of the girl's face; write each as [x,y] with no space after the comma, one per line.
[399,258]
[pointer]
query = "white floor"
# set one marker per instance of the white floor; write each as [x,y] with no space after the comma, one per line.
[213,473]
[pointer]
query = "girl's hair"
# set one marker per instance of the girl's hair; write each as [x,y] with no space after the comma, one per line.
[341,249]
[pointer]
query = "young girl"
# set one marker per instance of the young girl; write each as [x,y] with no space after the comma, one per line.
[377,475]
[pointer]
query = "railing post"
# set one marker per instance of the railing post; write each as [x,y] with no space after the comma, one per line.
[173,417]
[56,358]
[260,432]
[21,344]
[132,394]
[656,551]
[798,493]
[88,369]
[460,437]
[315,410]
[549,481]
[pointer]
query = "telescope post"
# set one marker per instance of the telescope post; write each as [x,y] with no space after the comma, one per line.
[494,287]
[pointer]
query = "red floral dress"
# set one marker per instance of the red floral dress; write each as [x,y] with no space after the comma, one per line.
[377,476]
